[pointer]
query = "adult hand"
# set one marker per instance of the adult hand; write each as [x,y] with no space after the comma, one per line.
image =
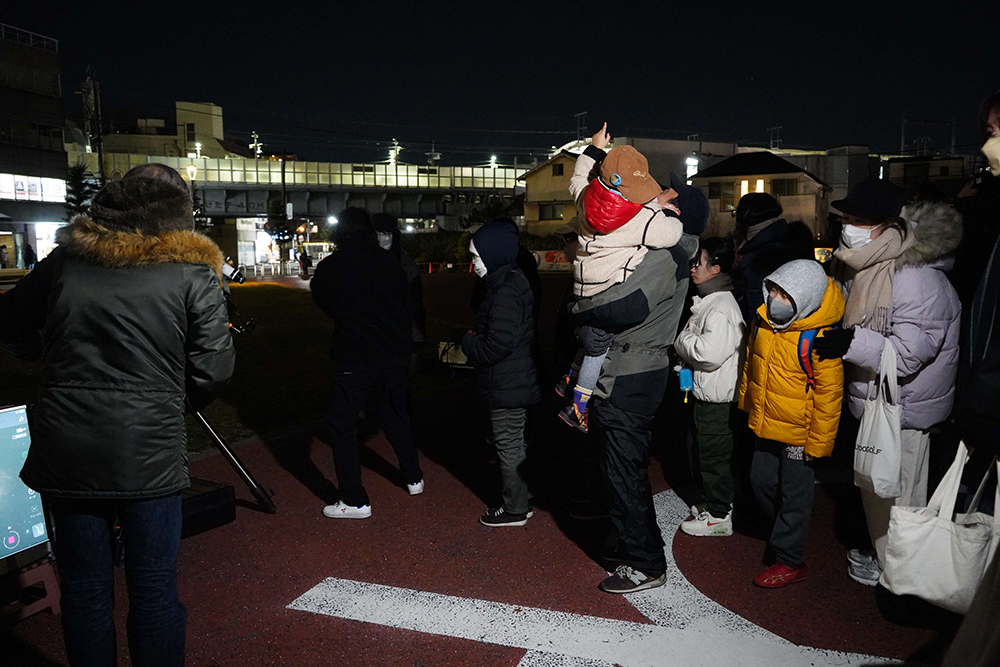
[667,199]
[593,341]
[602,138]
[834,343]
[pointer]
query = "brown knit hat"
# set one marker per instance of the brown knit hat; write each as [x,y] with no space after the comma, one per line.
[626,170]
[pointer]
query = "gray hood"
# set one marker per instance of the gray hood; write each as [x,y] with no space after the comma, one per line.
[937,231]
[805,281]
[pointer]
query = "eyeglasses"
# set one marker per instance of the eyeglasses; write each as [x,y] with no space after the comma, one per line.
[695,263]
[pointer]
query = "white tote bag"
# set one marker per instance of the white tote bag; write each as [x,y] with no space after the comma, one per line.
[878,448]
[936,557]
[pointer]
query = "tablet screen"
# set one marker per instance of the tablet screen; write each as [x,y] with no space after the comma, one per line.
[22,522]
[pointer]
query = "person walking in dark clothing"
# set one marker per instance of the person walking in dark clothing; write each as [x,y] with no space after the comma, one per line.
[29,256]
[129,318]
[363,289]
[500,347]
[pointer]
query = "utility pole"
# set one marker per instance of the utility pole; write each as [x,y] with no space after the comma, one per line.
[775,137]
[581,125]
[256,145]
[902,136]
[93,124]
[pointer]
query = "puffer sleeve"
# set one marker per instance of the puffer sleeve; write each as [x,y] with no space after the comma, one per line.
[827,405]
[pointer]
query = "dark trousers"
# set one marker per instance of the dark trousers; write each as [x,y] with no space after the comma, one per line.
[784,488]
[624,437]
[508,438]
[715,452]
[84,537]
[350,392]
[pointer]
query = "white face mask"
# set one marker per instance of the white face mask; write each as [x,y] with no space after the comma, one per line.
[853,236]
[991,149]
[477,262]
[385,240]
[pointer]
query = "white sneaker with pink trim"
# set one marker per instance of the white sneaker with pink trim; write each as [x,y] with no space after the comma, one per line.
[341,510]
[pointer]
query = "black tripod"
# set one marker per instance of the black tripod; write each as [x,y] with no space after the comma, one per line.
[261,495]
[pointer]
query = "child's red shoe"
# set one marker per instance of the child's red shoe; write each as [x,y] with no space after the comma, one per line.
[780,575]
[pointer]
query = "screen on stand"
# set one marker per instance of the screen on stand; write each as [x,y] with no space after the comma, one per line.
[22,522]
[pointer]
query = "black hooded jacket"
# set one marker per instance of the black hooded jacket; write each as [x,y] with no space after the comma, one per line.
[418,314]
[131,324]
[363,289]
[500,345]
[775,245]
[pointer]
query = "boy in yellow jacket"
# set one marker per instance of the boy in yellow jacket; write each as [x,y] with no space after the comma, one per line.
[794,402]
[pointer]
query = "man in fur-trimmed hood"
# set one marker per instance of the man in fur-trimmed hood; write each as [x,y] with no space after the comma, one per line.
[130,321]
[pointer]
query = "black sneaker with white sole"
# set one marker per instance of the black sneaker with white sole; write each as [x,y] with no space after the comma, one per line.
[499,517]
[629,580]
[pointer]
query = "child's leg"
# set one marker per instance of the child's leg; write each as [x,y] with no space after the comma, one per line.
[590,372]
[764,475]
[715,449]
[508,437]
[791,527]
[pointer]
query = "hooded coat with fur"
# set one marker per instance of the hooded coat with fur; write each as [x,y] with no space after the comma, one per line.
[925,323]
[129,324]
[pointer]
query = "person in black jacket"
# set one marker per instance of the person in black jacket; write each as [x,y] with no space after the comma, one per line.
[500,347]
[764,242]
[389,238]
[363,289]
[129,318]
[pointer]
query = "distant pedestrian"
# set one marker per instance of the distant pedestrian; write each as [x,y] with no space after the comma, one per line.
[500,347]
[29,256]
[794,403]
[712,345]
[764,241]
[3,256]
[305,263]
[363,289]
[894,272]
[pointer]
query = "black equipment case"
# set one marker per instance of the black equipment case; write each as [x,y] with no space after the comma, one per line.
[207,505]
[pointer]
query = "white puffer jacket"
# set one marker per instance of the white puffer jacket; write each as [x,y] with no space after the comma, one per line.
[712,345]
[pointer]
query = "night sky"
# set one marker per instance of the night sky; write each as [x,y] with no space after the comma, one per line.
[339,83]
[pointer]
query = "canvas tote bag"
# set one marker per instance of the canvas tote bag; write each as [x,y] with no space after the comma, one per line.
[878,448]
[935,555]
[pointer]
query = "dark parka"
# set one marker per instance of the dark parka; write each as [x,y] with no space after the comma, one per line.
[130,324]
[500,344]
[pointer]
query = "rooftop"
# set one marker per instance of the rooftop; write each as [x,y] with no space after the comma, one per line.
[753,164]
[28,38]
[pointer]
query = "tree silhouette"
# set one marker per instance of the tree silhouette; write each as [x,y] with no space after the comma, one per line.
[80,189]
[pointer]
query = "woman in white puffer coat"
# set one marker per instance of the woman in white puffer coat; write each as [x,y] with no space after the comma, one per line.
[711,345]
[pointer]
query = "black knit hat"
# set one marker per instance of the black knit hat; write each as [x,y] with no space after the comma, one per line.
[151,206]
[693,205]
[871,200]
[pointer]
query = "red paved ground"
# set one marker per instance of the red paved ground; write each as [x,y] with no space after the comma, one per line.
[236,580]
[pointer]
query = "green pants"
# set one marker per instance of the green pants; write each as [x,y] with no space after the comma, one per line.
[715,450]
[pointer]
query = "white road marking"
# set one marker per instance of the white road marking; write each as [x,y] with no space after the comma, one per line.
[690,629]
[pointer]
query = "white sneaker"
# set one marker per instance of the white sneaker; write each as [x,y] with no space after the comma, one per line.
[341,510]
[706,525]
[862,557]
[865,573]
[415,489]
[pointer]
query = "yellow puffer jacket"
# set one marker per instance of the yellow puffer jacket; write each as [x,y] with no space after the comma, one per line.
[775,390]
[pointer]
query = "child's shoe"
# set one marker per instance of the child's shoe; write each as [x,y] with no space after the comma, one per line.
[564,385]
[863,567]
[780,575]
[341,510]
[706,525]
[572,416]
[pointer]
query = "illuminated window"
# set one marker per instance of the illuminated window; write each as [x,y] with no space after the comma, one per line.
[691,168]
[759,185]
[744,187]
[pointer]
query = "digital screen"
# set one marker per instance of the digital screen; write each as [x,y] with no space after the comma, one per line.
[22,522]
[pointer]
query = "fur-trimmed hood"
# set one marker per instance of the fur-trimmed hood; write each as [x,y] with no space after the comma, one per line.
[99,245]
[937,231]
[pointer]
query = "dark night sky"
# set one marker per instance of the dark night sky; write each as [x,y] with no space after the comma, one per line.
[340,82]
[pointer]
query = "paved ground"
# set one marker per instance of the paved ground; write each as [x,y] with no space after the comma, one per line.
[421,583]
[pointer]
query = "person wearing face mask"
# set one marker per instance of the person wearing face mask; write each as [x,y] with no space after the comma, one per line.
[894,274]
[711,344]
[500,347]
[794,401]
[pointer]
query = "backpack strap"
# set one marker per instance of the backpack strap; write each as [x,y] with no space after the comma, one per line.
[805,347]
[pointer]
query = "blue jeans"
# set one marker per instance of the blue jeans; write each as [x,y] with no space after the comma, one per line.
[84,534]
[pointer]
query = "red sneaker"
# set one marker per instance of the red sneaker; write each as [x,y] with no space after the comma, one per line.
[780,575]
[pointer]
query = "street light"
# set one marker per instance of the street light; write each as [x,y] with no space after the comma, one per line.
[332,220]
[197,148]
[192,172]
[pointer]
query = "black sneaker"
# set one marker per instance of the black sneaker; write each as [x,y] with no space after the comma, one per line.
[628,580]
[498,517]
[574,417]
[564,385]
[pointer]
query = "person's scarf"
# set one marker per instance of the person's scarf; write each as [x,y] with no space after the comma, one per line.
[754,230]
[720,283]
[869,303]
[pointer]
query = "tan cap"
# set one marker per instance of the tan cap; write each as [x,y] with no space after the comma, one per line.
[626,170]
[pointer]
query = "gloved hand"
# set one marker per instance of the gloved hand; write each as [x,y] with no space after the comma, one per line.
[834,343]
[593,341]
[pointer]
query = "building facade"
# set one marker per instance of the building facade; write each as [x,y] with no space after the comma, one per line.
[32,157]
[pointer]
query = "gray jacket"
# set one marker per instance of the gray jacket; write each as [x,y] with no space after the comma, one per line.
[643,312]
[926,314]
